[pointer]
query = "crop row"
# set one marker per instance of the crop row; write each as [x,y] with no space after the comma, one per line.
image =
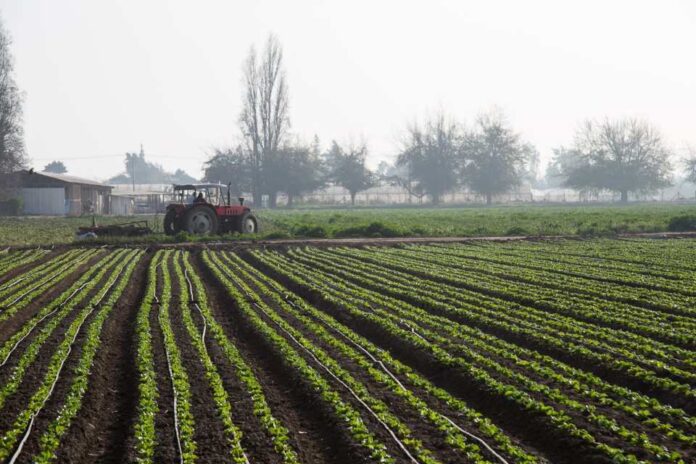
[160,299]
[561,411]
[10,261]
[21,291]
[643,291]
[665,327]
[673,256]
[392,285]
[550,331]
[625,273]
[378,365]
[118,268]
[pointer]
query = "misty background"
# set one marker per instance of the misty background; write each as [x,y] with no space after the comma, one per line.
[100,78]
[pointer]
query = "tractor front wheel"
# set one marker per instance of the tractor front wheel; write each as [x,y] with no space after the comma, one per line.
[170,226]
[201,220]
[248,224]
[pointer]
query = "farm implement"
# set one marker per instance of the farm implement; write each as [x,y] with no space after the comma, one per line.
[124,229]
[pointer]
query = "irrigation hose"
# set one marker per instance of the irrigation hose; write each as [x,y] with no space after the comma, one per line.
[50,391]
[171,374]
[478,439]
[175,395]
[14,347]
[42,282]
[27,433]
[200,312]
[205,326]
[399,443]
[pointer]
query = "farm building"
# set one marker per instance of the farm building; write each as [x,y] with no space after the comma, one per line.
[45,193]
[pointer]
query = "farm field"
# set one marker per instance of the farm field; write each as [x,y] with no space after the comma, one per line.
[467,221]
[566,351]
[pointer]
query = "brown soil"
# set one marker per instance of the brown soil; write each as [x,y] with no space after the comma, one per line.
[35,375]
[166,449]
[615,376]
[431,437]
[211,440]
[529,427]
[10,326]
[315,433]
[102,428]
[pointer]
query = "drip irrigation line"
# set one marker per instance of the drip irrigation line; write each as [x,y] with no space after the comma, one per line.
[14,347]
[27,433]
[50,391]
[205,325]
[171,376]
[11,284]
[376,361]
[399,443]
[175,395]
[200,312]
[41,283]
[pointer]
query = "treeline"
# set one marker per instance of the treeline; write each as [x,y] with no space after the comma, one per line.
[294,169]
[436,156]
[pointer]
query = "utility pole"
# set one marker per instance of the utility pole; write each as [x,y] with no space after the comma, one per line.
[133,171]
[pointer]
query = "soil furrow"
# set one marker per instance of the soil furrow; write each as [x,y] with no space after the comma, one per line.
[101,430]
[316,434]
[211,441]
[529,428]
[9,326]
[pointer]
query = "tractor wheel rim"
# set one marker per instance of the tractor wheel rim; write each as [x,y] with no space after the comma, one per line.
[249,226]
[201,223]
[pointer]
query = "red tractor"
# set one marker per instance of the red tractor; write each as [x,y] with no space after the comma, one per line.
[202,209]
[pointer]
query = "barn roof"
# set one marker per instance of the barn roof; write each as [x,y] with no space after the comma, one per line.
[67,179]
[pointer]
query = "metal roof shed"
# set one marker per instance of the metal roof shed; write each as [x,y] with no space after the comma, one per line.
[44,193]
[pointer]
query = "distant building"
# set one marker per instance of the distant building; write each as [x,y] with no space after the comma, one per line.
[45,193]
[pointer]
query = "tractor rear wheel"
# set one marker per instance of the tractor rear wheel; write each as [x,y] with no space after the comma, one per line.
[248,224]
[201,220]
[170,226]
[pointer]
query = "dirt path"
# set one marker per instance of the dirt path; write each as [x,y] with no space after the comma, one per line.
[356,241]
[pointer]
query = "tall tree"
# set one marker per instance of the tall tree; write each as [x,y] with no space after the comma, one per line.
[347,168]
[494,157]
[12,150]
[265,118]
[56,167]
[626,155]
[430,154]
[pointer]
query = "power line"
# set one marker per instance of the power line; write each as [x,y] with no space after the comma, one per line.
[77,158]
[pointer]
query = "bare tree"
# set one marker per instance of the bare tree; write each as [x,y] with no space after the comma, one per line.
[12,151]
[264,119]
[626,155]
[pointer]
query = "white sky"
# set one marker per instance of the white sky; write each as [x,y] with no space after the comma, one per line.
[103,76]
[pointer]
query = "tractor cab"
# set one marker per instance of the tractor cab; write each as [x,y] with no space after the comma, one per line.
[201,193]
[207,209]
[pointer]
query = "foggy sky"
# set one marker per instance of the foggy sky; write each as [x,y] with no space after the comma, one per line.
[102,77]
